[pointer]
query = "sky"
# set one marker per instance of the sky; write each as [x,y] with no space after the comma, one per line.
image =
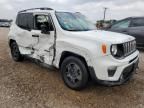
[93,9]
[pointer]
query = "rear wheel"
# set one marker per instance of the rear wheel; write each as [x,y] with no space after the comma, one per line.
[74,73]
[16,55]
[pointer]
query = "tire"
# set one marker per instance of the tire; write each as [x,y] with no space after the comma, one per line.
[74,73]
[16,55]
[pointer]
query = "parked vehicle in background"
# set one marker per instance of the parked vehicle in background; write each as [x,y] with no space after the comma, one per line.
[101,24]
[5,23]
[71,43]
[133,26]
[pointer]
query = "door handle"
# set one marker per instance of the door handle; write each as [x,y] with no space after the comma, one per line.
[35,35]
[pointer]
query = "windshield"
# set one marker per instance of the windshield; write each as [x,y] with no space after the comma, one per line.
[74,22]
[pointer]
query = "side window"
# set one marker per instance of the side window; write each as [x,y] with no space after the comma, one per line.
[122,24]
[43,20]
[25,20]
[137,22]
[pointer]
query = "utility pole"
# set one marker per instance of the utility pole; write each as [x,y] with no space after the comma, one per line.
[105,9]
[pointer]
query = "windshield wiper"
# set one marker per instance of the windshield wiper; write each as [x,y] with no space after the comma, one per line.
[74,30]
[80,30]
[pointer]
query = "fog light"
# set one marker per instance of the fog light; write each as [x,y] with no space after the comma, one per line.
[111,71]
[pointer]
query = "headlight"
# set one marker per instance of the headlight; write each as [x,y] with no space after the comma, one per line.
[114,50]
[117,51]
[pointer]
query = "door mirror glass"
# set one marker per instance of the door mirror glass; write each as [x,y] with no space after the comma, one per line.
[44,29]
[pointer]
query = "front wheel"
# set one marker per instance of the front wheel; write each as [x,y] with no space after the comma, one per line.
[74,73]
[16,55]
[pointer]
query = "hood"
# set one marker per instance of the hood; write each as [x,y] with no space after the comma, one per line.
[104,36]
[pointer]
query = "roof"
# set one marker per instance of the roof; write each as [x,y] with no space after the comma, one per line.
[133,17]
[42,9]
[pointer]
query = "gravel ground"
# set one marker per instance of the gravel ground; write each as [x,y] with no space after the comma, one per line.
[28,85]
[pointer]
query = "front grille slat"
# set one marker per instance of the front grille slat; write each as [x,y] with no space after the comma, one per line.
[126,48]
[129,47]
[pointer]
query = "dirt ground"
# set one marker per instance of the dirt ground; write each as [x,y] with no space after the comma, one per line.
[28,85]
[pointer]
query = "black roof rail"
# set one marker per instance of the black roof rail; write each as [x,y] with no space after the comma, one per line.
[43,8]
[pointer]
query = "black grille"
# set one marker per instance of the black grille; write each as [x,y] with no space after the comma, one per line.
[129,47]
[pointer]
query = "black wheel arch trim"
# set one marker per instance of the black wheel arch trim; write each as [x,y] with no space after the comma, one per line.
[90,69]
[10,41]
[66,54]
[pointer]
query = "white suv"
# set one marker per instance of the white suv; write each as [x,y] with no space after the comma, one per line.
[68,41]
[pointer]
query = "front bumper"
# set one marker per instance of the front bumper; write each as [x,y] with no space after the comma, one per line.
[124,77]
[124,71]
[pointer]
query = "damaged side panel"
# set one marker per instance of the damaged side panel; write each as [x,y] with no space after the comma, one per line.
[44,48]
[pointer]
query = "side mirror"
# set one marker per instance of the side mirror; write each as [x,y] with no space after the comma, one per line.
[44,29]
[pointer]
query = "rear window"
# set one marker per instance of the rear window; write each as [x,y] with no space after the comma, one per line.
[25,20]
[138,22]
